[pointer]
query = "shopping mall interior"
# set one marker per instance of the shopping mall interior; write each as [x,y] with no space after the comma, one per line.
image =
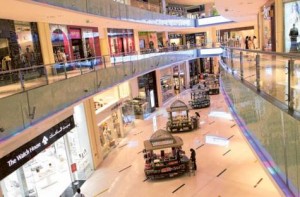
[149,98]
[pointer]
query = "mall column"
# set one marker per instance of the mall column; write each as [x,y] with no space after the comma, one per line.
[94,134]
[104,46]
[46,45]
[136,40]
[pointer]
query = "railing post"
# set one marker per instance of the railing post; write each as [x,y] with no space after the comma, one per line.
[81,67]
[241,65]
[65,70]
[46,75]
[231,61]
[290,100]
[21,80]
[258,72]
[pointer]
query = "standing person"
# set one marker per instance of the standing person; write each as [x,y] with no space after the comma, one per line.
[255,44]
[250,44]
[246,42]
[293,36]
[78,193]
[193,158]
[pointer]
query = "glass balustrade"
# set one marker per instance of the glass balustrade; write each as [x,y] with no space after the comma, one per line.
[31,94]
[273,131]
[112,9]
[276,75]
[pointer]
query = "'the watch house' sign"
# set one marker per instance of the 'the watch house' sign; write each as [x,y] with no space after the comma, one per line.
[20,156]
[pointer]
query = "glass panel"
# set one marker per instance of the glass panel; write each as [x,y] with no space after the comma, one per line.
[249,68]
[274,130]
[10,83]
[34,77]
[14,114]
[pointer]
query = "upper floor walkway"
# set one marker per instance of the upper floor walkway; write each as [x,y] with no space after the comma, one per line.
[64,84]
[110,12]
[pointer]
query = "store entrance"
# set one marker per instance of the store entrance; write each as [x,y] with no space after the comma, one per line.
[77,49]
[45,174]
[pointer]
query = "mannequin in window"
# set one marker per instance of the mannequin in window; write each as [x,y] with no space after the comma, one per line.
[293,36]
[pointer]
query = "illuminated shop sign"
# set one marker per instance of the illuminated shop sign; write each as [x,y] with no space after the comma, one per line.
[161,143]
[20,156]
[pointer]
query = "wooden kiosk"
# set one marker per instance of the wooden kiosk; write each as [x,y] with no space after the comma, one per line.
[163,156]
[181,122]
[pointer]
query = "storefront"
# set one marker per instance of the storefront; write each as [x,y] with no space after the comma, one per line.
[236,35]
[175,39]
[199,39]
[148,41]
[176,10]
[148,91]
[113,115]
[207,65]
[121,41]
[291,26]
[166,83]
[19,45]
[194,66]
[179,72]
[51,162]
[268,26]
[74,42]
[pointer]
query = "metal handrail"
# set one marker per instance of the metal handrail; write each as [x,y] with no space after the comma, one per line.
[291,55]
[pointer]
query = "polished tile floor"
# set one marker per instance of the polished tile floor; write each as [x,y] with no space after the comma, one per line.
[232,170]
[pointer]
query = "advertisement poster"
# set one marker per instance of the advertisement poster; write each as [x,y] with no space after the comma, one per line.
[291,26]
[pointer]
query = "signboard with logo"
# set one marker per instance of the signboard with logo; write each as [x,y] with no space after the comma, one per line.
[26,152]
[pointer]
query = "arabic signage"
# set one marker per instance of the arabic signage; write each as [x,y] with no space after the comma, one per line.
[20,156]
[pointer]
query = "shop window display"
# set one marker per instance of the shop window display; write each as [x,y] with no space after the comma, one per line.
[167,87]
[291,26]
[127,116]
[110,132]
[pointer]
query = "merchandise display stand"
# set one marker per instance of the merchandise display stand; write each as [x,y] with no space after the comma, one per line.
[181,122]
[140,107]
[212,82]
[164,157]
[199,99]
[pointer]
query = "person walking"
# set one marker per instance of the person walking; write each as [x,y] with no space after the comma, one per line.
[78,193]
[193,158]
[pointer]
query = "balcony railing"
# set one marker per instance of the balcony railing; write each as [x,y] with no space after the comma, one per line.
[20,80]
[44,90]
[276,76]
[111,9]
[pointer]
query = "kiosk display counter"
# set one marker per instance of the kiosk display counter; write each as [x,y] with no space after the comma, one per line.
[211,83]
[199,99]
[163,156]
[179,119]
